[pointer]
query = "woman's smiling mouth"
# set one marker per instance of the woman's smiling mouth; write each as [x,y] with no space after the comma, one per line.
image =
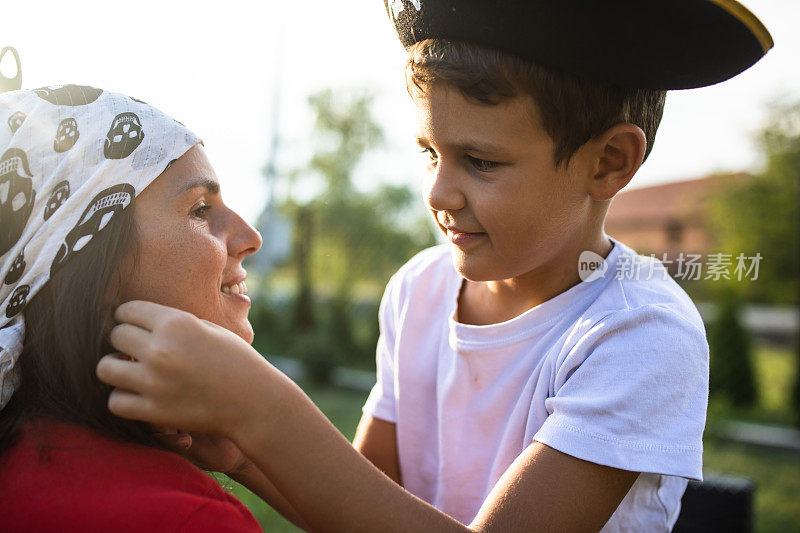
[236,291]
[236,288]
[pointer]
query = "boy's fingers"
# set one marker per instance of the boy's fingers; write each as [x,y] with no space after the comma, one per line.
[177,442]
[130,339]
[161,430]
[128,405]
[146,315]
[120,373]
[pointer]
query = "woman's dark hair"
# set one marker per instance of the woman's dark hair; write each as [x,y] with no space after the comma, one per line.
[67,325]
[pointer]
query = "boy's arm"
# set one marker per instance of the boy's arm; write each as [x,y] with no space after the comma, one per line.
[255,480]
[376,440]
[334,488]
[556,481]
[178,379]
[559,482]
[546,490]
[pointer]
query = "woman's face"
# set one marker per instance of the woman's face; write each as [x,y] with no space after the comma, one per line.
[191,246]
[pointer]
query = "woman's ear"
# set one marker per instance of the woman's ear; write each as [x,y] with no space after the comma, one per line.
[620,152]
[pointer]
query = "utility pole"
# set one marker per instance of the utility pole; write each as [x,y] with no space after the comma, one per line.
[273,227]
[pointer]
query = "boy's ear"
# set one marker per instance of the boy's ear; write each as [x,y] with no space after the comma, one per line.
[619,154]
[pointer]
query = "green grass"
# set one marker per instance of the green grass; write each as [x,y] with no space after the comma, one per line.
[776,475]
[776,370]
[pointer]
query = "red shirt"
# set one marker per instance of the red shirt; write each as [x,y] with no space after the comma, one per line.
[84,481]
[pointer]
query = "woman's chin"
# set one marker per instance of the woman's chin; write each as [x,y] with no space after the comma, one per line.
[244,331]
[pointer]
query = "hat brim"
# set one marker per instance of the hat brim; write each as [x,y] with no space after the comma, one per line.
[648,44]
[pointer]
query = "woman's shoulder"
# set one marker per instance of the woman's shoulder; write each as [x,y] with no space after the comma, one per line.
[57,473]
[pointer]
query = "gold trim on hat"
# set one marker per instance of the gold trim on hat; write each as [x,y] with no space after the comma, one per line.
[743,15]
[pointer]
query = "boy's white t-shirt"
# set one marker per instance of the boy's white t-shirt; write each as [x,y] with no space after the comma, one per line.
[613,371]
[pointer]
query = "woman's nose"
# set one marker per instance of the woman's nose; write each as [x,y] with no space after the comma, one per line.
[443,189]
[243,240]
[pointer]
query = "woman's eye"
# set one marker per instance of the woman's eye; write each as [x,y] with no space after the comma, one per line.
[482,165]
[201,211]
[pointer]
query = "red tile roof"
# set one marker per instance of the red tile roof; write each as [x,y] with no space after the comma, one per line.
[656,205]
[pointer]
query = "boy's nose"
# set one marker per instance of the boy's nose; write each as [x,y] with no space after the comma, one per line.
[442,191]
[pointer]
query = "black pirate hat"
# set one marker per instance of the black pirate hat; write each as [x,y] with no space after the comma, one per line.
[649,44]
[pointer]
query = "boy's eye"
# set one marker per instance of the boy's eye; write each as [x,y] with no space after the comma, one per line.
[482,165]
[431,153]
[201,211]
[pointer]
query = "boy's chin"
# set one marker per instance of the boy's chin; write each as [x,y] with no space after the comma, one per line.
[473,267]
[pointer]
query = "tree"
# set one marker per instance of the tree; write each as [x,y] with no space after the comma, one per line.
[760,215]
[344,237]
[731,354]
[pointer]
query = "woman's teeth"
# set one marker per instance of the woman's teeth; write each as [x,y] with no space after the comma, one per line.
[238,288]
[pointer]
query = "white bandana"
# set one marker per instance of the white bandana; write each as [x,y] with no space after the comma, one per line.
[70,158]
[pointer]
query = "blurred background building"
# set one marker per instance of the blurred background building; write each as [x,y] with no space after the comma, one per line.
[668,219]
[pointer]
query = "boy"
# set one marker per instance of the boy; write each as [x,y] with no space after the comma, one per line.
[509,356]
[532,378]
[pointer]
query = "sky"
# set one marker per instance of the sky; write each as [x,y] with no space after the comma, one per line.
[218,66]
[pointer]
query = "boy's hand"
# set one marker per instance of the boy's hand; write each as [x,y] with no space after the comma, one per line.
[208,452]
[187,373]
[219,454]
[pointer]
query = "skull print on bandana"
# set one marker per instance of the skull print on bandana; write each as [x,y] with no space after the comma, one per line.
[16,197]
[95,217]
[124,136]
[15,121]
[72,158]
[17,301]
[16,270]
[57,197]
[66,135]
[71,95]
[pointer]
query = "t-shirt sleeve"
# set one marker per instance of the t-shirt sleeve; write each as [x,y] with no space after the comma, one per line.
[220,517]
[632,393]
[381,400]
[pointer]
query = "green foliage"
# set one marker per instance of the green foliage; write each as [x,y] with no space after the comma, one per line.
[344,123]
[796,391]
[303,321]
[761,215]
[318,354]
[346,242]
[731,354]
[272,324]
[352,236]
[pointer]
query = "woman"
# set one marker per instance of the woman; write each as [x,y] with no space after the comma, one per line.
[103,199]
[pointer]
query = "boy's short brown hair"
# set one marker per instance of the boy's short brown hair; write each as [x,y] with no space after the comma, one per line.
[573,110]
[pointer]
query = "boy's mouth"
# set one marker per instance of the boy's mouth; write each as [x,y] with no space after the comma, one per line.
[455,234]
[460,237]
